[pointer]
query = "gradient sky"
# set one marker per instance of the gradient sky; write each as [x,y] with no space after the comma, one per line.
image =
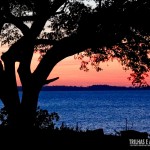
[70,75]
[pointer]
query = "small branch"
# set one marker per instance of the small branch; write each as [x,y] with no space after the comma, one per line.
[58,13]
[100,3]
[45,41]
[51,80]
[27,18]
[63,8]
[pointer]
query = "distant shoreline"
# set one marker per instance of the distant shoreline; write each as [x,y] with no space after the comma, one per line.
[89,88]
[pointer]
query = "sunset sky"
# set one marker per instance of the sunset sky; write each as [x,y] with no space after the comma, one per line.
[70,75]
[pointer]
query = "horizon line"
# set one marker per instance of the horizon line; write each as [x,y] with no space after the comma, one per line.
[91,86]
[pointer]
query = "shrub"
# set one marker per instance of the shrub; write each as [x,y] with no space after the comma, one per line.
[43,120]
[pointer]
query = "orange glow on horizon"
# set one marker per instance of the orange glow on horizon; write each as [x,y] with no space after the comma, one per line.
[70,74]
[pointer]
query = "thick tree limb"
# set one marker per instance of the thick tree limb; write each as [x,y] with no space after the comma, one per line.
[67,47]
[18,23]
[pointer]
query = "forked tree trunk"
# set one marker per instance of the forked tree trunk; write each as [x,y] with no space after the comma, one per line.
[23,116]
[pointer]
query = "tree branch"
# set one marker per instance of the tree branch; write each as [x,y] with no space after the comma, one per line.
[36,28]
[67,47]
[27,18]
[9,18]
[45,41]
[51,80]
[25,44]
[18,23]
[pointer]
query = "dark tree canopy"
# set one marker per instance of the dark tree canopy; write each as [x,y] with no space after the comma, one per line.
[101,30]
[113,29]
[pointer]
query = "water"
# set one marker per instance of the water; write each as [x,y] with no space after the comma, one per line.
[100,109]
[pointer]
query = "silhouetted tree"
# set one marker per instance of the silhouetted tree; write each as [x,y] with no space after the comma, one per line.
[112,29]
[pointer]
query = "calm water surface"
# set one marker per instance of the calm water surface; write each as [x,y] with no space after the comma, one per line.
[100,109]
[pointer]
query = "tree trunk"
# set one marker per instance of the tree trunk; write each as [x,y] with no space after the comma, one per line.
[9,96]
[28,106]
[21,114]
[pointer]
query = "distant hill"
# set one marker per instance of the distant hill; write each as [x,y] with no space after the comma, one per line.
[89,88]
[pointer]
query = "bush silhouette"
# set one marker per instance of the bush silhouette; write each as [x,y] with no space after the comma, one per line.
[44,119]
[3,117]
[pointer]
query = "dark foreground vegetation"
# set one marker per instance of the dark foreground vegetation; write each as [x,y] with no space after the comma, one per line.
[68,139]
[45,135]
